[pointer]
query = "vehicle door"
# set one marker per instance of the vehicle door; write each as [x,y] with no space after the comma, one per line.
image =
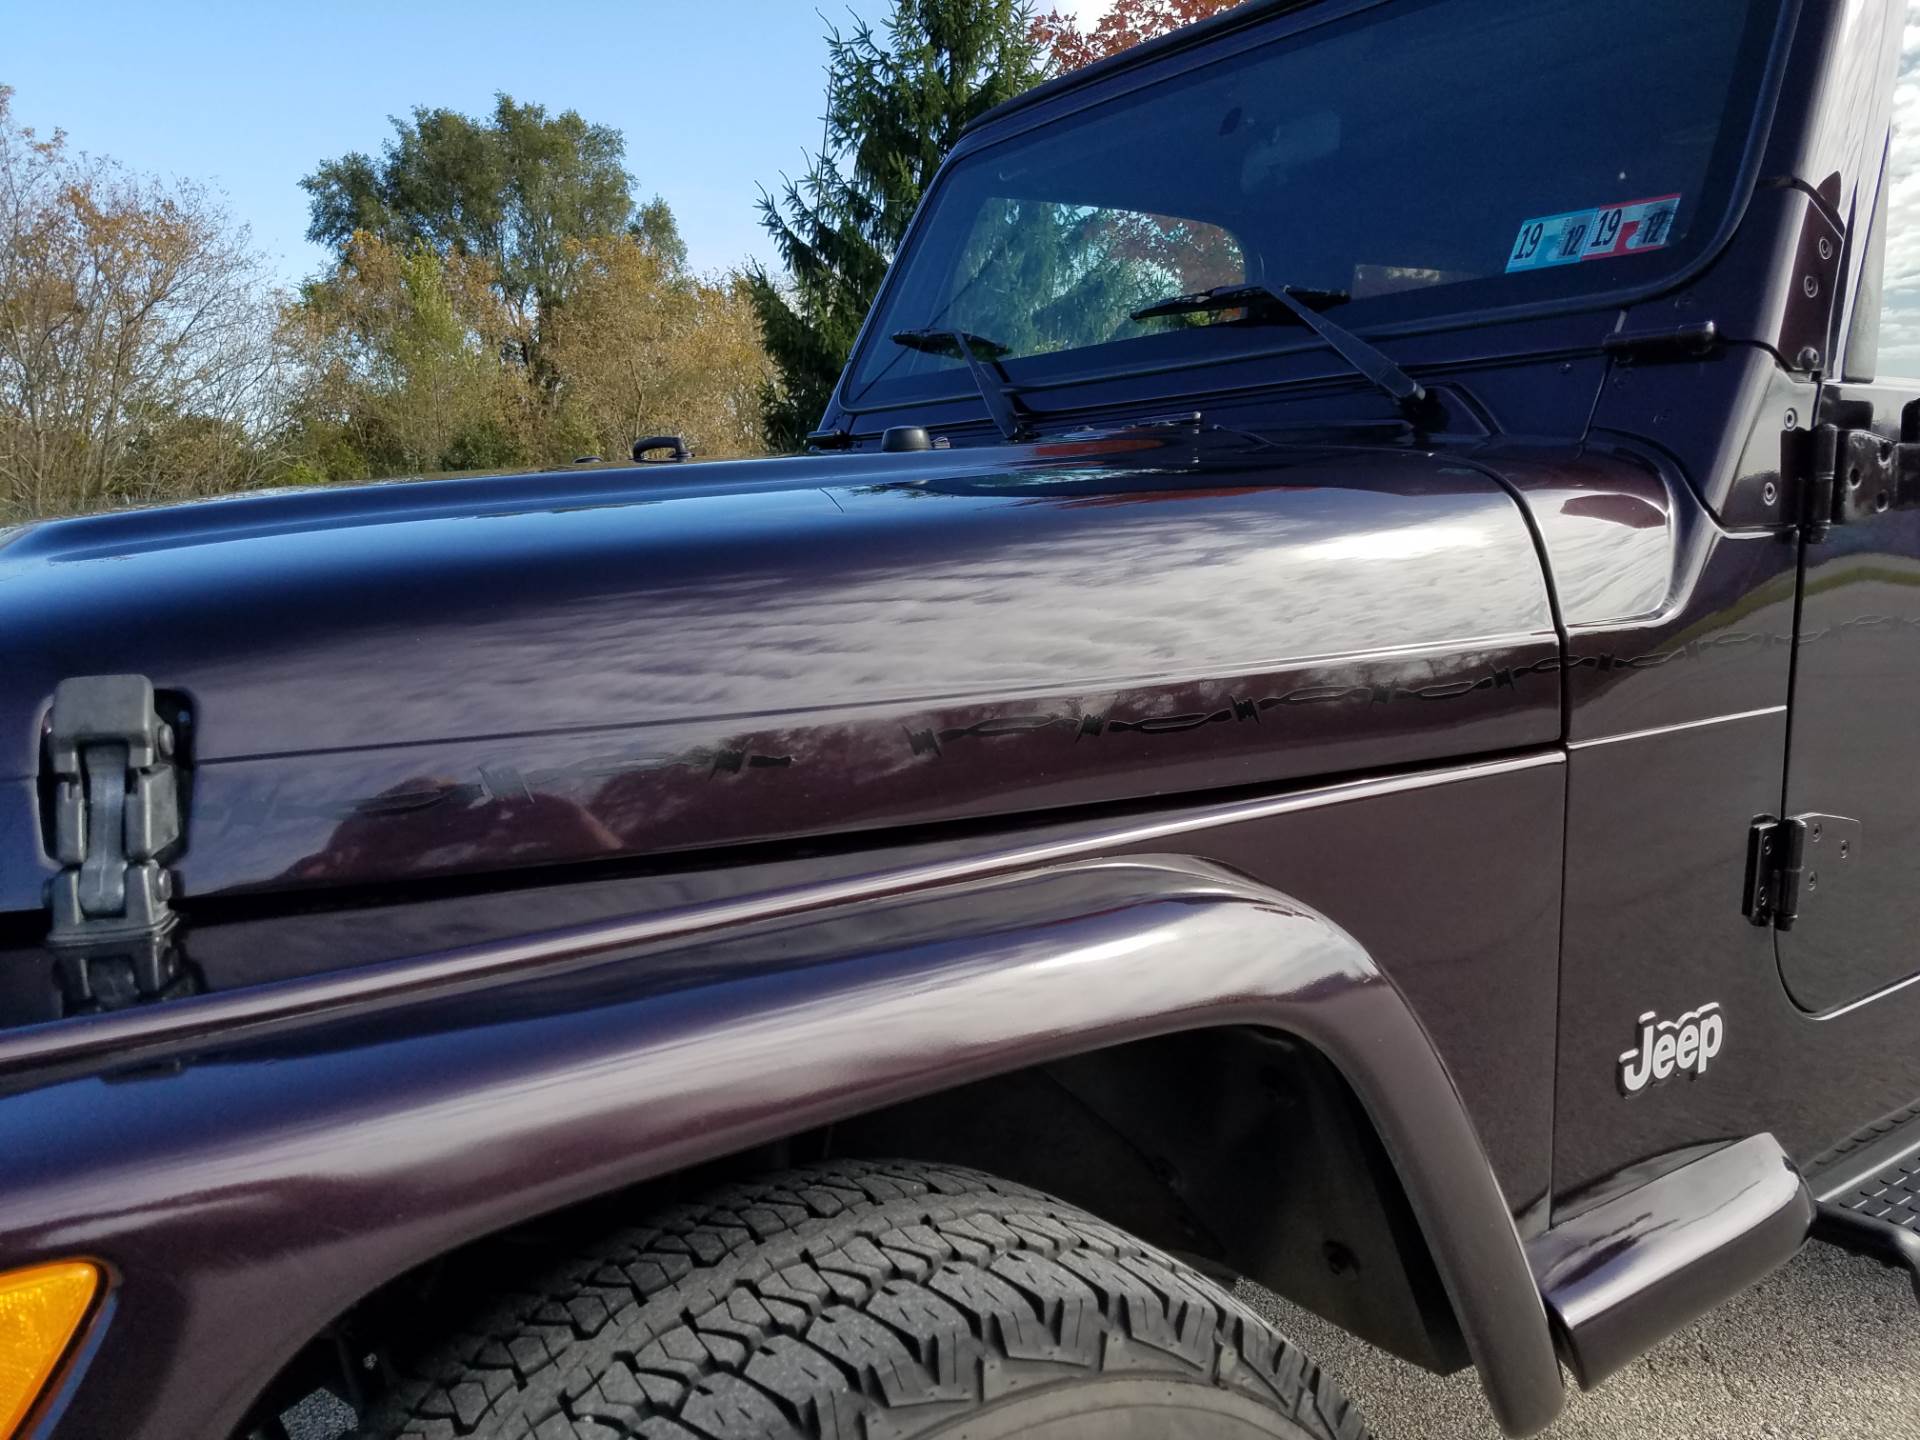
[1853,765]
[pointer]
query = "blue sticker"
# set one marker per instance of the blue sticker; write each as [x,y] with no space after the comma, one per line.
[1605,232]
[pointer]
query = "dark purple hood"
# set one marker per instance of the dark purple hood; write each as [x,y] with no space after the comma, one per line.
[408,680]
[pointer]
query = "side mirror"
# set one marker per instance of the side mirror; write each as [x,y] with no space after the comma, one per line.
[643,450]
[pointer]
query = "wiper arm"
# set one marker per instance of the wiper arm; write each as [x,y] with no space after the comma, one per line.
[1298,301]
[1001,399]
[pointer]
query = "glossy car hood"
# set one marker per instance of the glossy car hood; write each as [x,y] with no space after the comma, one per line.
[393,682]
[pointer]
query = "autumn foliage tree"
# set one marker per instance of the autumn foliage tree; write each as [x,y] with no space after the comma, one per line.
[401,350]
[412,364]
[642,347]
[1124,25]
[137,354]
[496,299]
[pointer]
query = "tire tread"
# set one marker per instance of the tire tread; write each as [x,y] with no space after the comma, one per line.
[851,1300]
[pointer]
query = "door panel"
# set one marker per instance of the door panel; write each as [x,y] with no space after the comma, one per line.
[1855,747]
[1856,688]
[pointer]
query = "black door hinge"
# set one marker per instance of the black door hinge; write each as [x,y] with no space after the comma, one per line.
[115,811]
[1797,863]
[1847,473]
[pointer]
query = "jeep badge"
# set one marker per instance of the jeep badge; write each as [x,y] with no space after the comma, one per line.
[1669,1045]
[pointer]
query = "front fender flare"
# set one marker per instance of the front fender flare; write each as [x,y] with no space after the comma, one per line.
[249,1172]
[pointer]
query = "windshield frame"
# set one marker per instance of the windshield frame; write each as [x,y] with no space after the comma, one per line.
[1228,37]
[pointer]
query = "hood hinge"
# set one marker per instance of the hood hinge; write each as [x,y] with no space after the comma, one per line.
[116,813]
[1796,862]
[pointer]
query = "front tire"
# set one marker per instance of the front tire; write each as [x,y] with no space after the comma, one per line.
[863,1301]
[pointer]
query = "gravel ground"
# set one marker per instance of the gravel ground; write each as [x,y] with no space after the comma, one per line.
[1827,1349]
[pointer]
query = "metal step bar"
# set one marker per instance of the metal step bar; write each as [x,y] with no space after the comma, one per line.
[1870,1196]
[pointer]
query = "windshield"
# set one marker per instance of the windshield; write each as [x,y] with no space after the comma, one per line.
[1420,157]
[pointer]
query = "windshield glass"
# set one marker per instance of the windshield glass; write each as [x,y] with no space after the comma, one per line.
[1421,157]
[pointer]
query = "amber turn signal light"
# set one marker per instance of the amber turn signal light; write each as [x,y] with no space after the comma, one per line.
[40,1311]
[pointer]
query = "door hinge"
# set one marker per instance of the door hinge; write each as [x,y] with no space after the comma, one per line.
[1847,473]
[115,814]
[1797,864]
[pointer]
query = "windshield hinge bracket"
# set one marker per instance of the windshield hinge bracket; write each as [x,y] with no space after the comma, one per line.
[115,812]
[1846,472]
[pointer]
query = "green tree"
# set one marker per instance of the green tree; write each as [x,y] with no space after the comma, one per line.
[522,190]
[657,232]
[895,105]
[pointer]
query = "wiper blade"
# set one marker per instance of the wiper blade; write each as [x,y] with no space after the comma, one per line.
[1001,399]
[951,342]
[1297,302]
[1237,297]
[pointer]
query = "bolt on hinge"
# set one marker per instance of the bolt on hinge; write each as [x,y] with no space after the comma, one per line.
[1797,863]
[116,811]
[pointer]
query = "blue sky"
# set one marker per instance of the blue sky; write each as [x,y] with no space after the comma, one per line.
[715,96]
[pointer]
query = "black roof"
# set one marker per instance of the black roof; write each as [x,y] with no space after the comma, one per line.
[1249,12]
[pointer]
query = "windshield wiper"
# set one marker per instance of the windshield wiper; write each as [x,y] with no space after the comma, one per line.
[1297,302]
[951,342]
[1001,399]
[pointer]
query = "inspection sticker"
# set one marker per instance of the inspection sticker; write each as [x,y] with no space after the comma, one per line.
[1602,233]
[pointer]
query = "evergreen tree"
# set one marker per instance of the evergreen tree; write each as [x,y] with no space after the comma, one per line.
[895,106]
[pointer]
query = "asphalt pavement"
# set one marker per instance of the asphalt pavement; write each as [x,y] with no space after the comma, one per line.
[1826,1349]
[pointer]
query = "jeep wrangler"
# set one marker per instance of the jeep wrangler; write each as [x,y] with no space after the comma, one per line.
[1326,706]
